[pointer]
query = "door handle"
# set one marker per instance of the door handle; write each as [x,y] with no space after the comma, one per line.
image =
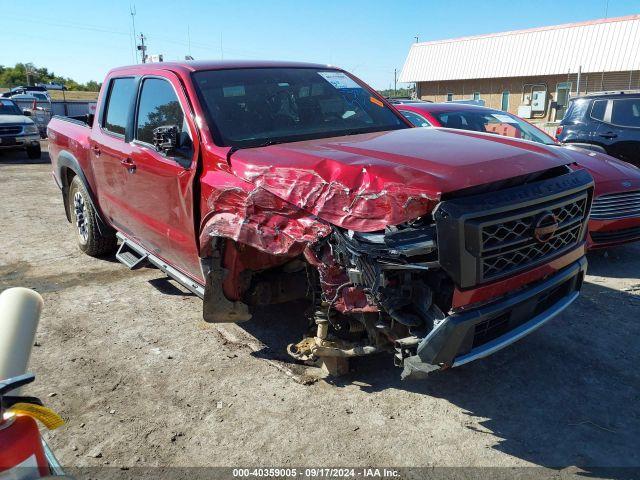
[129,164]
[608,135]
[96,150]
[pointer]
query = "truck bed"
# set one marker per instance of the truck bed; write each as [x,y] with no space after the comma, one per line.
[68,136]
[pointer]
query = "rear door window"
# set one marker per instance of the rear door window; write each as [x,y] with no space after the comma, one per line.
[577,111]
[598,109]
[626,112]
[116,114]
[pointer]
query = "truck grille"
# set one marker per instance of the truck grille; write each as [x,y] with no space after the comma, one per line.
[10,129]
[616,205]
[510,245]
[485,237]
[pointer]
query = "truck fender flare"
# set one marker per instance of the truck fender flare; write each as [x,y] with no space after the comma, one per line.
[67,160]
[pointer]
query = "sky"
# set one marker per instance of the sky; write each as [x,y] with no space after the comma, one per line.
[83,40]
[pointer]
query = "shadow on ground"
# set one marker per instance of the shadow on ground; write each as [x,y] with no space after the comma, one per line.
[17,157]
[566,395]
[614,262]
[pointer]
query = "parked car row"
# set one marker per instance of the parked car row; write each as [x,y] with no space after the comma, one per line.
[18,130]
[37,101]
[615,213]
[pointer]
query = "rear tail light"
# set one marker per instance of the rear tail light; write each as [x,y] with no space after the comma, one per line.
[559,131]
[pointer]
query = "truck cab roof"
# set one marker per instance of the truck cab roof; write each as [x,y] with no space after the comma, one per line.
[199,65]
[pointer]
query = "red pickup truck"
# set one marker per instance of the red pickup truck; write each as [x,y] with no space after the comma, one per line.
[257,183]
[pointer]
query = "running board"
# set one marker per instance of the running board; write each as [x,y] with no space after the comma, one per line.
[133,255]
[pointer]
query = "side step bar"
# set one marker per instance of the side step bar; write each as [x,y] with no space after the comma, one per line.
[133,256]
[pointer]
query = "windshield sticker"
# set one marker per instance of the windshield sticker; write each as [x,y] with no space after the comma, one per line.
[339,80]
[504,118]
[375,101]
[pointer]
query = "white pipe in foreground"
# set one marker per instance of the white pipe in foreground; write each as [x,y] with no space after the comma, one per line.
[19,315]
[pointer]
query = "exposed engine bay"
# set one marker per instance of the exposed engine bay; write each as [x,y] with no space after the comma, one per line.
[380,291]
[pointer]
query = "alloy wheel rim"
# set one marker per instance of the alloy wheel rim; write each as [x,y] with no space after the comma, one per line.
[80,208]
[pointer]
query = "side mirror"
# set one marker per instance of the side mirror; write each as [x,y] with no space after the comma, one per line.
[26,113]
[165,139]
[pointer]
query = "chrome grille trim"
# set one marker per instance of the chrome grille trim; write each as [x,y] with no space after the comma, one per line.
[10,129]
[616,205]
[508,244]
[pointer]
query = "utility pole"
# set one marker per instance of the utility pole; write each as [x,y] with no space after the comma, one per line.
[132,11]
[395,82]
[143,48]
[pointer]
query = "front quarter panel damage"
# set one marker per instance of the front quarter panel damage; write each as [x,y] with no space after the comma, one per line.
[250,215]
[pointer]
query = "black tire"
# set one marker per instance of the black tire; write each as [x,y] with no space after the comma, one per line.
[94,240]
[34,152]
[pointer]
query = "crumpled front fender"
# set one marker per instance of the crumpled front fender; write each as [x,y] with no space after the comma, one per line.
[250,215]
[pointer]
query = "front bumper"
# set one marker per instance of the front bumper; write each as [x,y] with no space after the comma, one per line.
[463,337]
[608,233]
[19,141]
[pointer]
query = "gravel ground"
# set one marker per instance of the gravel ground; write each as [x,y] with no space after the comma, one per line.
[142,381]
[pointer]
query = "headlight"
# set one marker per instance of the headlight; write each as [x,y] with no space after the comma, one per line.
[30,129]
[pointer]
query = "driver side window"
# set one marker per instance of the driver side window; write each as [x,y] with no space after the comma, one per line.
[159,106]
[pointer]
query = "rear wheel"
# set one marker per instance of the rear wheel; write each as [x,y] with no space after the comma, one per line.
[34,152]
[94,240]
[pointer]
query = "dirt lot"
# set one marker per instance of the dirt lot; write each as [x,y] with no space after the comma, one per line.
[141,380]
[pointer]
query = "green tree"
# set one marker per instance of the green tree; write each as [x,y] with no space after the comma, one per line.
[29,74]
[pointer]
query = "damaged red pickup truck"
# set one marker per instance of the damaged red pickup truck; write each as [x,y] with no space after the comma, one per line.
[257,183]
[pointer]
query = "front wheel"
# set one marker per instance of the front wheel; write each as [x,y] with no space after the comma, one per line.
[94,240]
[34,152]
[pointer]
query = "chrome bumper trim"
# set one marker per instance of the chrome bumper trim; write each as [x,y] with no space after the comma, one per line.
[54,465]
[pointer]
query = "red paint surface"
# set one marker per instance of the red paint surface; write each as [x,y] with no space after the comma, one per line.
[18,442]
[464,299]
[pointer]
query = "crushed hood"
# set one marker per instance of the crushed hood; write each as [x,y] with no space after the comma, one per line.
[365,182]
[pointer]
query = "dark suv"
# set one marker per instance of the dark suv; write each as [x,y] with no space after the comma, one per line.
[607,122]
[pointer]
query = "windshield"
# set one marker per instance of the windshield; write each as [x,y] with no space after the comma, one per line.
[7,107]
[493,121]
[262,106]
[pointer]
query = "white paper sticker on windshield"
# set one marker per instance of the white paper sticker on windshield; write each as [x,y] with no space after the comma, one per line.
[339,80]
[504,118]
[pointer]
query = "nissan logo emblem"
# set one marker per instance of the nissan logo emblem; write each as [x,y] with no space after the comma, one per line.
[544,226]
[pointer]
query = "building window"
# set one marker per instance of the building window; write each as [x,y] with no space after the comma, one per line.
[476,95]
[505,101]
[449,97]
